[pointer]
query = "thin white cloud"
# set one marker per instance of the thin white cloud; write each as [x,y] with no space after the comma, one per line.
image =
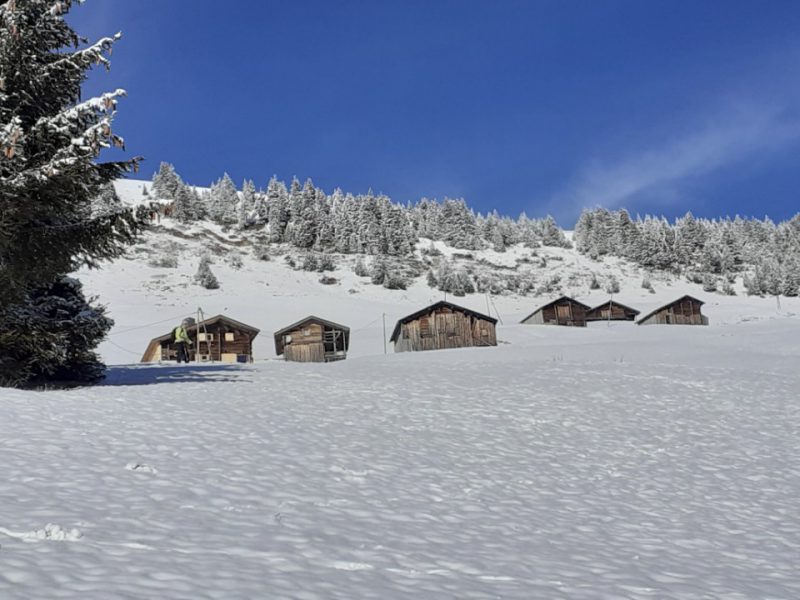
[662,167]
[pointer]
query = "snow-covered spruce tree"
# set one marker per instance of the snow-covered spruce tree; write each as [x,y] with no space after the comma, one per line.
[612,285]
[49,143]
[49,339]
[458,225]
[107,202]
[360,269]
[277,209]
[166,182]
[247,205]
[453,280]
[222,201]
[204,276]
[185,204]
[552,235]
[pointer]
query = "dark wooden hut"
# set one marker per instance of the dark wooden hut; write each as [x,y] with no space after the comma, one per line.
[562,311]
[443,325]
[313,340]
[219,338]
[683,311]
[612,311]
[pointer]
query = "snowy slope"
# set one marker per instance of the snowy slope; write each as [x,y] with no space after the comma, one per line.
[614,461]
[148,301]
[606,463]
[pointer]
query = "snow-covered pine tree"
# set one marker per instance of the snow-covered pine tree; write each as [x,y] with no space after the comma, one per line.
[49,143]
[552,235]
[50,338]
[205,276]
[200,202]
[304,217]
[342,227]
[247,204]
[184,204]
[583,234]
[277,209]
[223,199]
[458,225]
[166,182]
[791,277]
[368,227]
[326,235]
[107,202]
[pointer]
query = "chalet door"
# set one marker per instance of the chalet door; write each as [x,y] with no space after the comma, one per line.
[562,313]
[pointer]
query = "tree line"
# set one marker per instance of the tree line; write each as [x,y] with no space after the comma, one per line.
[765,254]
[305,217]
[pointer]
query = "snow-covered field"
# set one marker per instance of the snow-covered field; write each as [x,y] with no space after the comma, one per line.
[608,462]
[620,462]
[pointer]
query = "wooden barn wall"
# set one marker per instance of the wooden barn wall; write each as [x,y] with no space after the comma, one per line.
[569,314]
[687,312]
[308,352]
[241,344]
[445,329]
[305,348]
[617,314]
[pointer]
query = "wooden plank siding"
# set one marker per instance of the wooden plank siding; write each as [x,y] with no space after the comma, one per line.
[238,349]
[611,311]
[443,328]
[313,340]
[684,311]
[564,311]
[241,345]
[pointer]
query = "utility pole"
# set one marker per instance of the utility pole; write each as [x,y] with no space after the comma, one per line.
[384,333]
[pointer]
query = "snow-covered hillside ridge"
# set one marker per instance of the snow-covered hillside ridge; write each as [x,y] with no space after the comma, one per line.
[765,255]
[272,284]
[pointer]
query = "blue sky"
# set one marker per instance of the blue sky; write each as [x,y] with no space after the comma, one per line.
[545,107]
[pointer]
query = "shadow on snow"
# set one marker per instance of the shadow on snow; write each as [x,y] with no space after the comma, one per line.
[149,374]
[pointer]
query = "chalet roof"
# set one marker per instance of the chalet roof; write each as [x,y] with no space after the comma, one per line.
[667,305]
[615,303]
[556,301]
[433,307]
[207,322]
[309,319]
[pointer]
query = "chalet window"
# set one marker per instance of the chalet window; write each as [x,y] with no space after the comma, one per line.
[484,332]
[405,332]
[229,337]
[205,337]
[306,332]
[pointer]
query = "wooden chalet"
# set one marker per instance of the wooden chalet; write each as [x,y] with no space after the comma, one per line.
[443,325]
[218,338]
[612,311]
[683,311]
[562,311]
[313,340]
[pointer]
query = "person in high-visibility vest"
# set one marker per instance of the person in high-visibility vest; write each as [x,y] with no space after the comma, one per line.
[182,342]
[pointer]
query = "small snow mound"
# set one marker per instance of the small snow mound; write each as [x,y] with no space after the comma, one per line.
[140,468]
[55,532]
[50,531]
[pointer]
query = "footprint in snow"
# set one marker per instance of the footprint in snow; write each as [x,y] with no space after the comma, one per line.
[140,468]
